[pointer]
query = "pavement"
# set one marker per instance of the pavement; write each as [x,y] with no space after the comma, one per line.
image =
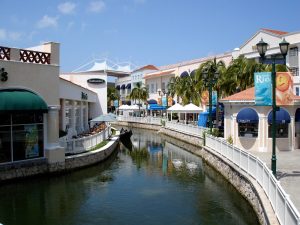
[288,171]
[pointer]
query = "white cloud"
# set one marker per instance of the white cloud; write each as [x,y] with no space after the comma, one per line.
[10,35]
[47,21]
[67,7]
[96,6]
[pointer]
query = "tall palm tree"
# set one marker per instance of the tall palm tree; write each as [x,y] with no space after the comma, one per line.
[140,93]
[112,95]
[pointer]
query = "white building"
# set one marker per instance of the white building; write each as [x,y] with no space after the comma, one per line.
[273,38]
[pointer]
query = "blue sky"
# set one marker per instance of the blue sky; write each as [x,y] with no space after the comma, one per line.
[155,32]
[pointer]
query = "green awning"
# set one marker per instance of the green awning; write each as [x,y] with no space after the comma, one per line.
[21,100]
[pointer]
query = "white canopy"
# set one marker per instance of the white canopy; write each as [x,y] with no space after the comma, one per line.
[191,108]
[136,107]
[100,66]
[124,107]
[176,108]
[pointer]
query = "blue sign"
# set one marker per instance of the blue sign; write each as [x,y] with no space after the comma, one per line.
[164,101]
[263,88]
[116,103]
[214,97]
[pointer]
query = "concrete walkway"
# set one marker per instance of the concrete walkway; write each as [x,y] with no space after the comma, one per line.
[288,171]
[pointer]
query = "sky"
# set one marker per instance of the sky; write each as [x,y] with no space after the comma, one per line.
[158,32]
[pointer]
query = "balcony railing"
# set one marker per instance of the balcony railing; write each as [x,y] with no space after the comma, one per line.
[148,119]
[4,53]
[24,55]
[80,145]
[34,56]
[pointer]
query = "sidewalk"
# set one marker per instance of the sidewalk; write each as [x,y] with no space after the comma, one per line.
[288,171]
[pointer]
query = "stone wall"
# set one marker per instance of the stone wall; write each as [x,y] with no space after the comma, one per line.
[36,167]
[138,125]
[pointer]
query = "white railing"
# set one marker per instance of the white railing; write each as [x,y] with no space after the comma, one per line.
[79,145]
[186,128]
[148,119]
[285,210]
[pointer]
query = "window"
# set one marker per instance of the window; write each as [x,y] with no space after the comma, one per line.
[297,91]
[282,130]
[21,136]
[248,129]
[147,87]
[295,71]
[152,88]
[293,51]
[163,86]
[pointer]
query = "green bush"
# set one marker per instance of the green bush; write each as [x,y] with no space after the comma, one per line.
[230,140]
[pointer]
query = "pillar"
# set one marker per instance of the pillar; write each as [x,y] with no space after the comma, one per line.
[53,152]
[292,134]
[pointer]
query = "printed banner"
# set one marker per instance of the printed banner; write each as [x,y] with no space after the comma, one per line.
[284,88]
[214,97]
[164,101]
[204,98]
[263,88]
[31,141]
[170,101]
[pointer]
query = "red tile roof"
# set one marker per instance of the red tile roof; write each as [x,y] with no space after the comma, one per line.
[277,32]
[159,74]
[247,95]
[147,67]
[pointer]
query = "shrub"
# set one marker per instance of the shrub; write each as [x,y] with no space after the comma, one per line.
[230,140]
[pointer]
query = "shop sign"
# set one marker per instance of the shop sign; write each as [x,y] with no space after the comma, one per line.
[3,75]
[84,96]
[96,81]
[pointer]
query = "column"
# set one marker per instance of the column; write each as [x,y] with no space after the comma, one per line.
[73,120]
[292,134]
[53,152]
[86,122]
[81,116]
[63,115]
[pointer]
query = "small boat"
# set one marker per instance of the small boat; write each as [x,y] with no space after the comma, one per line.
[125,134]
[177,163]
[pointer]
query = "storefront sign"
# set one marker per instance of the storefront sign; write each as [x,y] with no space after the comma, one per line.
[96,81]
[84,96]
[263,88]
[3,75]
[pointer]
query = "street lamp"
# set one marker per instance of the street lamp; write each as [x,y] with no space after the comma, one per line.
[210,81]
[262,48]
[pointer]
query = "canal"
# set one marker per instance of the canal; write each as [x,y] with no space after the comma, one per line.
[155,182]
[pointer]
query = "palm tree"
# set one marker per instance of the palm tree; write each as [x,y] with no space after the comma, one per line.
[139,92]
[112,95]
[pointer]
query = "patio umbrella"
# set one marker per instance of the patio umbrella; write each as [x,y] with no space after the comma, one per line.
[104,118]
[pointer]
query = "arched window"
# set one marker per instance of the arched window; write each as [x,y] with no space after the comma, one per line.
[247,120]
[282,123]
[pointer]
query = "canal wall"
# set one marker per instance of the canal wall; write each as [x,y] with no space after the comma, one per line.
[138,125]
[40,167]
[246,185]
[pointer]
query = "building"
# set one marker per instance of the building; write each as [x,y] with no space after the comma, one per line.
[273,38]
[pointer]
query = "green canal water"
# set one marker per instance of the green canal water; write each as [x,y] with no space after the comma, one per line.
[154,183]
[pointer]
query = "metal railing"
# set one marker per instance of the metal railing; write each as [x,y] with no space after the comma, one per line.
[186,128]
[285,210]
[148,119]
[80,145]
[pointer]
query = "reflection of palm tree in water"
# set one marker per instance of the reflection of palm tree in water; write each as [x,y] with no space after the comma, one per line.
[139,156]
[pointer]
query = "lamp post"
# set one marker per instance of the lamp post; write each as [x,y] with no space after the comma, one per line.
[210,81]
[262,48]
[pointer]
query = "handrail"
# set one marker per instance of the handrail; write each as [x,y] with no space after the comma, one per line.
[284,209]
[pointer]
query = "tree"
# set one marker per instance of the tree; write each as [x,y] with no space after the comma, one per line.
[139,92]
[112,95]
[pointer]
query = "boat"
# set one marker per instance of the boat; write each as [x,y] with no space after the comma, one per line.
[125,134]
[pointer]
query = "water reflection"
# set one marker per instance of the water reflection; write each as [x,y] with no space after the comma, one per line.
[153,182]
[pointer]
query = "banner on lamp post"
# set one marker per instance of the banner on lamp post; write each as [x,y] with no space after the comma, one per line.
[170,101]
[164,101]
[214,97]
[284,88]
[263,88]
